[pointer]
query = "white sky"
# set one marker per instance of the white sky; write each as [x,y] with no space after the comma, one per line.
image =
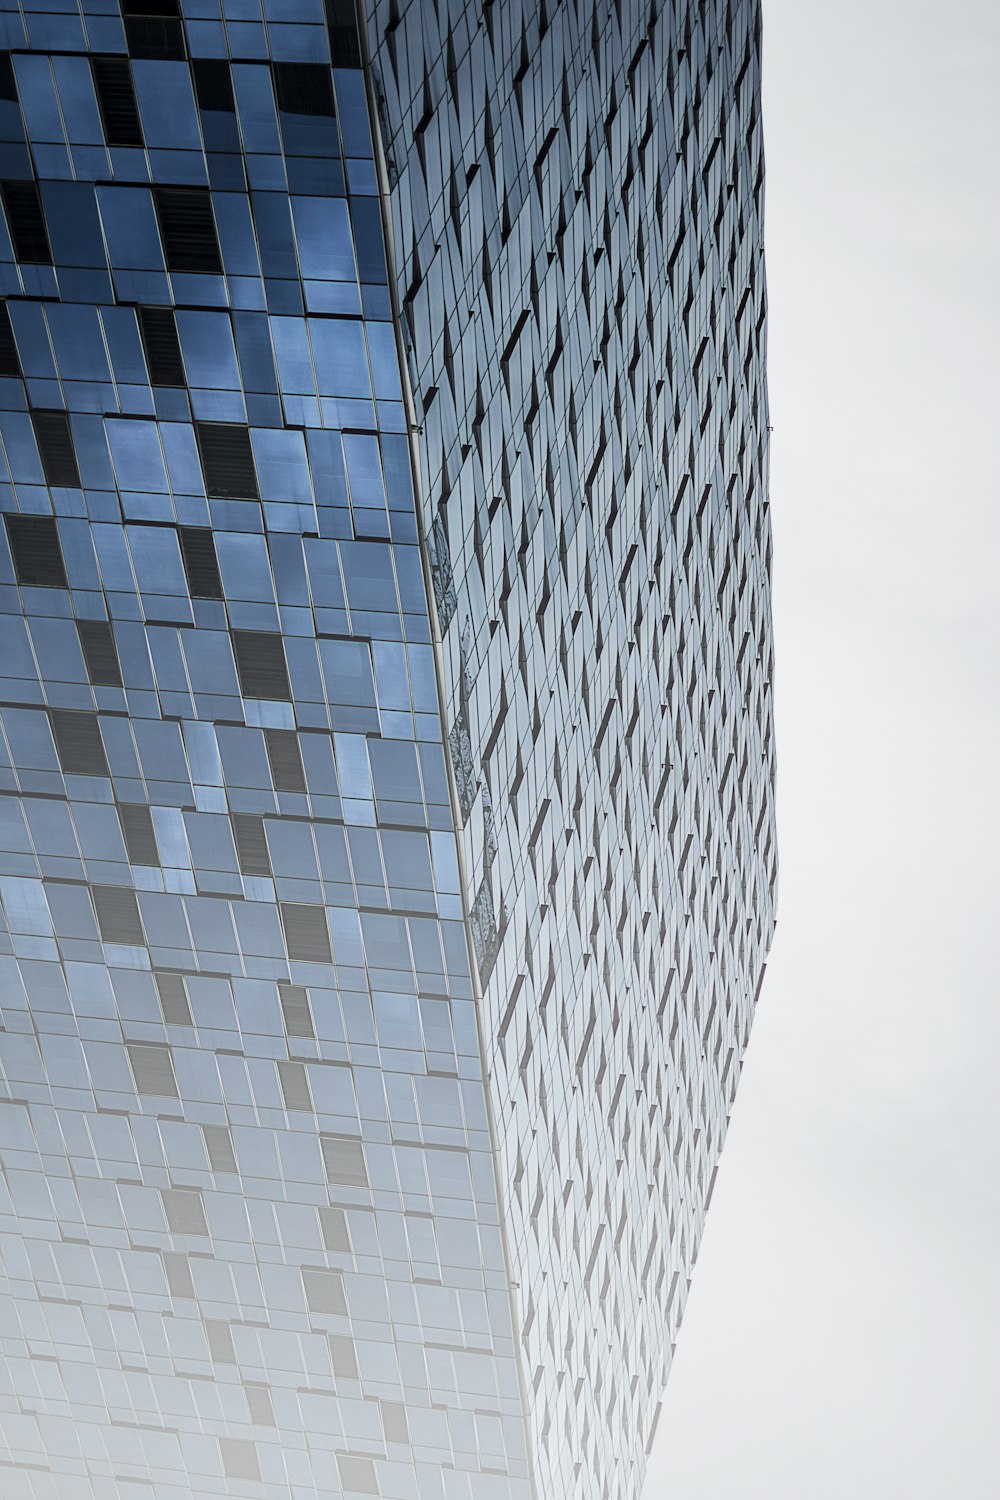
[842,1337]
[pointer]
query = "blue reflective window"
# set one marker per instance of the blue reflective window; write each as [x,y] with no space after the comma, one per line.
[209,352]
[323,236]
[339,352]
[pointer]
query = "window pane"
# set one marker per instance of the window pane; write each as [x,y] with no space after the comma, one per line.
[34,545]
[116,97]
[187,227]
[23,207]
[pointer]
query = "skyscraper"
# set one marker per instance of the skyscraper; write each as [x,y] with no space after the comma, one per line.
[386,829]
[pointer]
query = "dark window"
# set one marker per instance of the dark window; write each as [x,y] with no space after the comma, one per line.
[344,1157]
[219,1146]
[394,1423]
[140,840]
[78,743]
[10,363]
[260,662]
[55,444]
[8,83]
[179,1280]
[23,207]
[173,999]
[295,1010]
[117,914]
[251,844]
[34,546]
[220,1342]
[213,84]
[295,1087]
[187,229]
[152,1067]
[342,23]
[116,96]
[227,461]
[200,562]
[306,934]
[163,350]
[97,642]
[333,1222]
[342,1347]
[260,1404]
[153,28]
[303,88]
[185,1211]
[358,1474]
[285,759]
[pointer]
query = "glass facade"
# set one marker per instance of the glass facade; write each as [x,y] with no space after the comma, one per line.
[386,816]
[576,215]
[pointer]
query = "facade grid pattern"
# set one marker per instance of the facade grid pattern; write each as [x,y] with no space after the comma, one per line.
[576,214]
[250,1240]
[387,853]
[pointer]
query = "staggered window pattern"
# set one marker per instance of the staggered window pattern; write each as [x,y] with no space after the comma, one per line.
[375,968]
[576,219]
[250,1222]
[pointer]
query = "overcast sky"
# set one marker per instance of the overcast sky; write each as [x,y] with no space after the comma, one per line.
[842,1337]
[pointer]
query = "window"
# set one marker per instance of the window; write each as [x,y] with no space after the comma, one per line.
[394,1423]
[213,84]
[34,546]
[259,1404]
[220,1342]
[118,914]
[294,1086]
[285,760]
[239,1459]
[184,1210]
[343,1355]
[187,228]
[23,208]
[345,1161]
[358,1475]
[179,1280]
[55,446]
[295,1010]
[219,1145]
[251,844]
[306,934]
[303,88]
[8,83]
[333,1223]
[163,350]
[200,562]
[173,999]
[260,662]
[342,24]
[324,1291]
[140,840]
[78,742]
[153,1068]
[153,28]
[97,643]
[10,363]
[116,97]
[227,461]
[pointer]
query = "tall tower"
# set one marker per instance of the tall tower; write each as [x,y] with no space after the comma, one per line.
[386,770]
